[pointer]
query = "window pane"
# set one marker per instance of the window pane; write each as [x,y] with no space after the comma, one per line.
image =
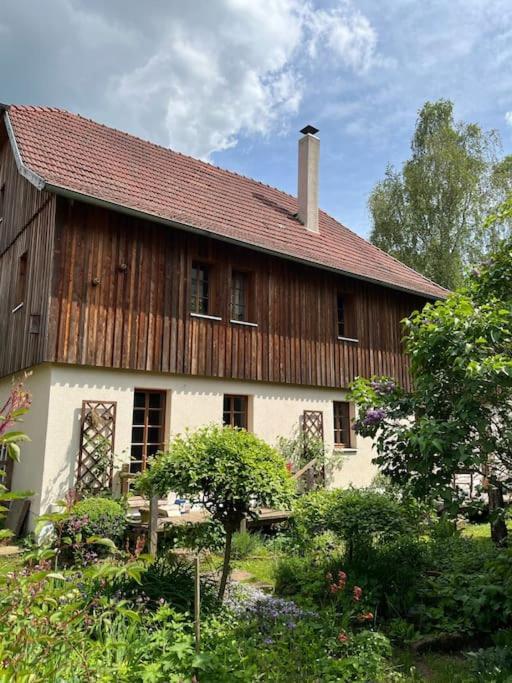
[235,411]
[154,435]
[136,452]
[199,289]
[341,315]
[342,426]
[239,294]
[138,416]
[138,435]
[155,400]
[139,399]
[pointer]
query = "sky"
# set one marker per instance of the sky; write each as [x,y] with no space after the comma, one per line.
[233,81]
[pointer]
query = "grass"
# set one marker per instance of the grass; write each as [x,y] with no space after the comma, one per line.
[10,563]
[482,530]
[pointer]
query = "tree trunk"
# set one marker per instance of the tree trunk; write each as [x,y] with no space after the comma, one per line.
[496,507]
[226,563]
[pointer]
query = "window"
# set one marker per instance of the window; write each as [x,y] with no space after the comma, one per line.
[239,295]
[21,280]
[342,426]
[340,304]
[200,289]
[2,201]
[236,411]
[147,427]
[345,321]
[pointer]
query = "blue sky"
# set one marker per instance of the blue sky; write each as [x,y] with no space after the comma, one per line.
[233,81]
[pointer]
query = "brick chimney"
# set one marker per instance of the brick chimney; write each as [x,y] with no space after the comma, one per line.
[307,193]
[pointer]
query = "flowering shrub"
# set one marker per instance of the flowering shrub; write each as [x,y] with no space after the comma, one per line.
[99,517]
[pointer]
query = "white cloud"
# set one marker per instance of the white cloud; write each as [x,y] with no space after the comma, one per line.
[508,118]
[239,71]
[192,75]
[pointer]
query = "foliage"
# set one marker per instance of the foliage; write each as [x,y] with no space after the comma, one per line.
[494,664]
[358,517]
[73,627]
[458,418]
[198,536]
[301,449]
[12,411]
[102,517]
[431,214]
[82,531]
[168,579]
[467,589]
[244,544]
[230,471]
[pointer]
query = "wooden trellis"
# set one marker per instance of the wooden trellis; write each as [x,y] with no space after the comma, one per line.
[312,424]
[96,455]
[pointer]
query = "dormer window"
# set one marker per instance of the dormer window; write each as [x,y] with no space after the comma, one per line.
[200,289]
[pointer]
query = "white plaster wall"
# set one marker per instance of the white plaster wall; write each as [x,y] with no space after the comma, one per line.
[28,473]
[191,402]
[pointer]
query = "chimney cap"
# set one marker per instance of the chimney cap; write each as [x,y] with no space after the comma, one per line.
[309,130]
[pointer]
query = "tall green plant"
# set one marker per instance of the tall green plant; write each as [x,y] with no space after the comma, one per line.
[458,418]
[230,471]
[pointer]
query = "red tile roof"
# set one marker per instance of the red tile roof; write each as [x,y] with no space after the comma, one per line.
[70,152]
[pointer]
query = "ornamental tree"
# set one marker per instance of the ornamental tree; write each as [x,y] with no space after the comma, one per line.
[458,417]
[230,471]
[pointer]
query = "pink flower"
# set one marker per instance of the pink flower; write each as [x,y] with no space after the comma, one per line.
[365,616]
[342,637]
[357,593]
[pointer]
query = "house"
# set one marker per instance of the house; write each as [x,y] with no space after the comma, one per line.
[149,292]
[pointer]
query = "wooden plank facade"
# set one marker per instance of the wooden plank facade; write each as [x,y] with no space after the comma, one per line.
[119,298]
[26,228]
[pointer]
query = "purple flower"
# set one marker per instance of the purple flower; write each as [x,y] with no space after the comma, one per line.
[374,417]
[383,387]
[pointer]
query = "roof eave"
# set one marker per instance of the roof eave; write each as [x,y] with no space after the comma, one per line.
[23,169]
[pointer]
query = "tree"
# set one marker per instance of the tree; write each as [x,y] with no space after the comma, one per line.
[431,214]
[230,471]
[458,417]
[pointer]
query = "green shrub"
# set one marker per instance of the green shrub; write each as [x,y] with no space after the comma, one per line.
[169,579]
[244,545]
[467,589]
[104,517]
[359,517]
